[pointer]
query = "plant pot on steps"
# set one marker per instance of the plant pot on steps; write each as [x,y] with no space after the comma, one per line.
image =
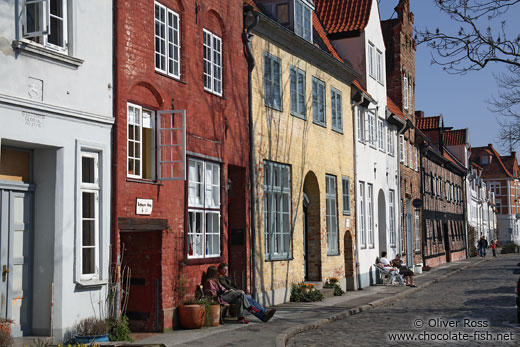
[192,316]
[214,315]
[5,325]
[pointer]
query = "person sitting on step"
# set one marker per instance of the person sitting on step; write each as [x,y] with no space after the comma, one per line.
[384,262]
[404,270]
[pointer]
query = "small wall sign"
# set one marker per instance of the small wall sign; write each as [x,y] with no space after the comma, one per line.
[144,206]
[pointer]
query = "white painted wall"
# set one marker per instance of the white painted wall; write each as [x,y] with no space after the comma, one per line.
[53,108]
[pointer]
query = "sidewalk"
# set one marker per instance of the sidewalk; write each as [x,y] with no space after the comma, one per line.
[292,318]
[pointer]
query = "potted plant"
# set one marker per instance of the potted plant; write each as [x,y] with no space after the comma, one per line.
[212,312]
[90,330]
[5,325]
[192,313]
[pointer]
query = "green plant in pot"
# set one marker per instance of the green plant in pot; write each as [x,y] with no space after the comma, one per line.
[90,330]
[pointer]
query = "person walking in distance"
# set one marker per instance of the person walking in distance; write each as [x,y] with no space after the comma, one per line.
[494,248]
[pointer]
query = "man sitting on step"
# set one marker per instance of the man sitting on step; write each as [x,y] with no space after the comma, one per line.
[260,312]
[384,262]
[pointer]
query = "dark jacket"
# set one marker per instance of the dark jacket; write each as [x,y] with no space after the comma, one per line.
[227,282]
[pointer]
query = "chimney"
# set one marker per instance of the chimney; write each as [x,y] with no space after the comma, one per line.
[419,114]
[513,154]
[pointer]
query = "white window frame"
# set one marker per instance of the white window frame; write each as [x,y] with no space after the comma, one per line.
[213,67]
[380,135]
[402,153]
[298,89]
[371,128]
[336,109]
[410,98]
[139,140]
[169,51]
[89,188]
[319,102]
[370,215]
[391,217]
[303,20]
[272,85]
[390,140]
[362,216]
[410,155]
[379,66]
[345,186]
[277,189]
[44,29]
[371,57]
[416,159]
[201,204]
[405,92]
[361,114]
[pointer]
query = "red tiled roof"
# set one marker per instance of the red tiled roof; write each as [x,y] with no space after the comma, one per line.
[360,87]
[252,3]
[323,36]
[339,16]
[392,107]
[496,168]
[454,137]
[425,123]
[453,158]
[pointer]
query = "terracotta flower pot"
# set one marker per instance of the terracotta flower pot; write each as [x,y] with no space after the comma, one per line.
[192,316]
[214,314]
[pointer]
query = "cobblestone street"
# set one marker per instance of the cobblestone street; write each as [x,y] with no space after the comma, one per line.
[482,296]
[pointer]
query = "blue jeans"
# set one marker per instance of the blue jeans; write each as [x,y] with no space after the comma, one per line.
[261,314]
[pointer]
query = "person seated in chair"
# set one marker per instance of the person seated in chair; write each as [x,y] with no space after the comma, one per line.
[385,263]
[404,271]
[259,311]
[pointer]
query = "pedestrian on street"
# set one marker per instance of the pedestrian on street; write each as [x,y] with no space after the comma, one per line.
[494,248]
[483,246]
[404,270]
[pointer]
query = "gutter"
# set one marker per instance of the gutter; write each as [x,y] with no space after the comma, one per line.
[251,17]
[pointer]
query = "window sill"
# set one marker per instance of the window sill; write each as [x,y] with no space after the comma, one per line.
[213,93]
[177,79]
[33,49]
[346,213]
[339,131]
[91,283]
[270,260]
[279,109]
[302,117]
[203,261]
[323,125]
[333,254]
[145,181]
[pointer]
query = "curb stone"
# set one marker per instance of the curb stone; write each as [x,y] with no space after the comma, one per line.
[283,337]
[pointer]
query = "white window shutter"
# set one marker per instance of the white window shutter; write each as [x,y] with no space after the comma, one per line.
[37,12]
[171,146]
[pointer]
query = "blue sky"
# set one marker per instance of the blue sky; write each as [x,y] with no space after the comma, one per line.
[460,98]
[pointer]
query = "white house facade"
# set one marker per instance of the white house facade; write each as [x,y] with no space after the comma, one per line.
[55,137]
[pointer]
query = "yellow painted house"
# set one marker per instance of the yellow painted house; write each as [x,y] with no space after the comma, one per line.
[303,149]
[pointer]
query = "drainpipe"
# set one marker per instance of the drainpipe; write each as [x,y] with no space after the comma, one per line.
[250,21]
[398,157]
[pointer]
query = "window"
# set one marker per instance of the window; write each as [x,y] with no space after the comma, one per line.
[405,145]
[45,22]
[345,184]
[371,129]
[402,154]
[410,155]
[212,63]
[167,41]
[405,92]
[318,101]
[272,82]
[203,209]
[416,159]
[371,68]
[337,116]
[302,20]
[140,142]
[362,220]
[447,190]
[410,99]
[331,215]
[380,135]
[370,214]
[379,66]
[298,92]
[89,207]
[417,232]
[361,124]
[391,219]
[277,215]
[390,140]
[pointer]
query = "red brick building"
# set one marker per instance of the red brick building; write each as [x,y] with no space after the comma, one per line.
[400,77]
[180,185]
[442,187]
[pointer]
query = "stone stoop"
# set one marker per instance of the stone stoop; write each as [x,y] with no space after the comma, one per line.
[327,292]
[33,341]
[317,284]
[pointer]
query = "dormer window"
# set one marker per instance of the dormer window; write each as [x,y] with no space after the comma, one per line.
[484,160]
[282,13]
[303,20]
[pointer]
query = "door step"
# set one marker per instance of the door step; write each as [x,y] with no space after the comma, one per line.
[327,292]
[33,341]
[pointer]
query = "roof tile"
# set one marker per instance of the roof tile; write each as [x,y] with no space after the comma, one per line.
[340,16]
[425,123]
[454,137]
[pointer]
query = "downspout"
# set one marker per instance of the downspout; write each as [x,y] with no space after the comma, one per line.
[250,21]
[465,212]
[401,208]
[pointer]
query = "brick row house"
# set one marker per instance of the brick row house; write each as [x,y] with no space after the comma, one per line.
[56,119]
[501,175]
[400,69]
[444,237]
[181,150]
[303,152]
